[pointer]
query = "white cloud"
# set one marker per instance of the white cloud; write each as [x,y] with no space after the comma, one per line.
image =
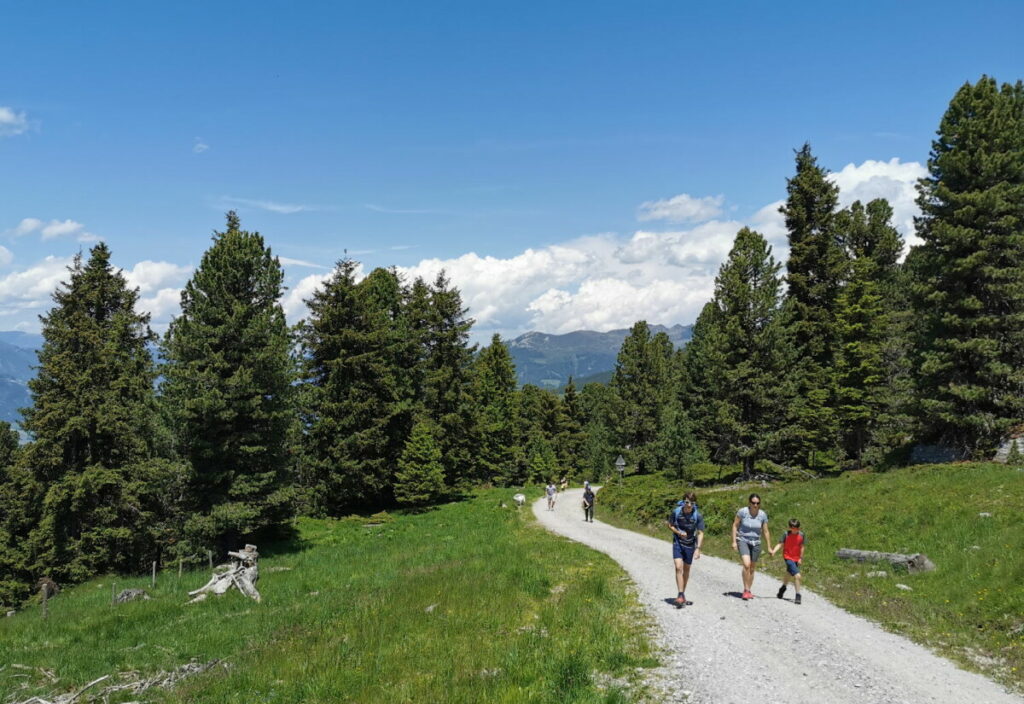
[288,261]
[53,229]
[893,180]
[32,288]
[283,208]
[681,208]
[199,146]
[12,123]
[6,256]
[149,276]
[27,226]
[161,306]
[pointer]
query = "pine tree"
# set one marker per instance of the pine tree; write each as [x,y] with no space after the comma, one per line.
[228,387]
[868,383]
[597,403]
[571,439]
[750,403]
[447,384]
[362,368]
[700,388]
[93,422]
[970,294]
[494,392]
[816,269]
[420,477]
[642,384]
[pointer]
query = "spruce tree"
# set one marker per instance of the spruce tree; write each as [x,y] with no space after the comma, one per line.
[970,292]
[869,383]
[447,384]
[571,439]
[361,370]
[816,270]
[641,383]
[749,411]
[494,392]
[93,422]
[420,477]
[700,388]
[228,389]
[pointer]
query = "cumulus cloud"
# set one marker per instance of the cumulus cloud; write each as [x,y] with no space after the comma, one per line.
[12,123]
[53,229]
[152,277]
[681,208]
[893,180]
[31,289]
[199,146]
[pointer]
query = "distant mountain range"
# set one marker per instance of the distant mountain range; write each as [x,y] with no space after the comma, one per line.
[17,359]
[549,360]
[541,359]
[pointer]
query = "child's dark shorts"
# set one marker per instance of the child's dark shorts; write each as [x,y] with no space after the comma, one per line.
[793,567]
[683,552]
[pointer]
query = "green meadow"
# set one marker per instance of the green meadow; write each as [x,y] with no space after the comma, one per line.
[465,603]
[970,609]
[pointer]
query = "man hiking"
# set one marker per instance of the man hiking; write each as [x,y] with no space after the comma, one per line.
[687,525]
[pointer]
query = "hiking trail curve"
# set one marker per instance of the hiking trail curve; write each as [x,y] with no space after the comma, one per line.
[723,650]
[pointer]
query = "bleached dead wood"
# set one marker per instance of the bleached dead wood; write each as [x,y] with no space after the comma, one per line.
[241,573]
[131,682]
[913,563]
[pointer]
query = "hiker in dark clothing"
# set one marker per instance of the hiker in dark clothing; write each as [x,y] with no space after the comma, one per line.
[588,504]
[687,526]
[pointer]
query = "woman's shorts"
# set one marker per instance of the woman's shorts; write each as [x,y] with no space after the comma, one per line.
[793,567]
[751,550]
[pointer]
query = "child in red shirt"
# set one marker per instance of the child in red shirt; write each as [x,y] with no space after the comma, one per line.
[792,545]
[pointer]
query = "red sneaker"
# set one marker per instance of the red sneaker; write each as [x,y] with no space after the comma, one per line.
[747,595]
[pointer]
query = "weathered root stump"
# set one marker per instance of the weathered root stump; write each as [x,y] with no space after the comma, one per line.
[242,574]
[127,595]
[917,562]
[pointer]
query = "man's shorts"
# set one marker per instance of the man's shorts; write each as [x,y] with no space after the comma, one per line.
[752,550]
[793,567]
[683,552]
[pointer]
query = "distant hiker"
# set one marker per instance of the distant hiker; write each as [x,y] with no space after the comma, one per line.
[687,525]
[750,523]
[588,504]
[551,491]
[792,545]
[586,485]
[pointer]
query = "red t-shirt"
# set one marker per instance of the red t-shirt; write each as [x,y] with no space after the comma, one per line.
[791,545]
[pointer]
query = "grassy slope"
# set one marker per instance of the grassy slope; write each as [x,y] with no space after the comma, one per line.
[518,615]
[970,609]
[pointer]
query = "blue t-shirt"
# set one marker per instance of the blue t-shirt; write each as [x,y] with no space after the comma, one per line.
[750,526]
[689,524]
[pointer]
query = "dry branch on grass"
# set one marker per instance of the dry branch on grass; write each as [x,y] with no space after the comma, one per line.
[912,563]
[132,683]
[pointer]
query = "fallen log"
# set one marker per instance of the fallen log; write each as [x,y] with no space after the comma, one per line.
[241,573]
[917,562]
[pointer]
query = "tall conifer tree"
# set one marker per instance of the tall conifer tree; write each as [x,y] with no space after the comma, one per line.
[816,270]
[868,318]
[494,391]
[749,410]
[641,383]
[228,387]
[970,294]
[93,422]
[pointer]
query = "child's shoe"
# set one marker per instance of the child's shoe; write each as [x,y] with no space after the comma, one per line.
[797,600]
[782,590]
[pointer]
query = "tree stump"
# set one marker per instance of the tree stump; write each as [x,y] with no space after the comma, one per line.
[912,563]
[241,573]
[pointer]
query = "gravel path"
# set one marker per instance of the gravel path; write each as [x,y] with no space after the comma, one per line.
[723,650]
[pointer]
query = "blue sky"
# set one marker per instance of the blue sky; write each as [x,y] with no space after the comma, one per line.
[513,144]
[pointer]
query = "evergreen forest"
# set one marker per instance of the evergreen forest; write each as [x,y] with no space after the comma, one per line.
[846,355]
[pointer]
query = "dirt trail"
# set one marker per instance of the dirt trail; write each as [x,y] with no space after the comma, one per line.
[723,650]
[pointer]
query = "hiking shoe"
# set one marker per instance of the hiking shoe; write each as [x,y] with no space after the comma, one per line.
[797,599]
[688,602]
[680,602]
[782,590]
[747,595]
